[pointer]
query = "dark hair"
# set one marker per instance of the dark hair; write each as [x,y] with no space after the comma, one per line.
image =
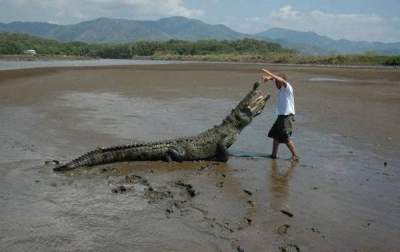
[282,75]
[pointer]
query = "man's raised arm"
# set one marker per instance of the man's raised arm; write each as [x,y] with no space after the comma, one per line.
[274,76]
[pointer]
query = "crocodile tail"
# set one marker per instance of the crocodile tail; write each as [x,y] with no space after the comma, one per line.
[84,160]
[62,167]
[98,156]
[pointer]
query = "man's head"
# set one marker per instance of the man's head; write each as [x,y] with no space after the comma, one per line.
[278,83]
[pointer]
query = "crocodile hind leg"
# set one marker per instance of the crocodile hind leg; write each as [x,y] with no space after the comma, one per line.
[175,154]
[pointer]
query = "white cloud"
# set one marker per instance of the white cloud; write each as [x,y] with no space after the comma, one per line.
[368,27]
[69,11]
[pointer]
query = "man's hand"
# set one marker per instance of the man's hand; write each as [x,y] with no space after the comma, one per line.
[274,76]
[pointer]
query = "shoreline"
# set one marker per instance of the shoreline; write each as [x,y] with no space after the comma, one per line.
[117,63]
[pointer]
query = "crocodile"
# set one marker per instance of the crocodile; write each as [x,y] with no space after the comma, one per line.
[211,144]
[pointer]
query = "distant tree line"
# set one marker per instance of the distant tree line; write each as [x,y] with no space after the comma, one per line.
[17,43]
[225,50]
[201,47]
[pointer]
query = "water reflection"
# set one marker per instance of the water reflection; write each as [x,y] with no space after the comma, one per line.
[280,176]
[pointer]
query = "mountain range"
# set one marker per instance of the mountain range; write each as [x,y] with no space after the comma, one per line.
[108,30]
[312,43]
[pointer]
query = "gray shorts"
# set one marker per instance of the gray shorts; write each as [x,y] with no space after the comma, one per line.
[282,128]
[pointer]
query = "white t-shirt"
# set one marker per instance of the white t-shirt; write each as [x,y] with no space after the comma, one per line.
[285,102]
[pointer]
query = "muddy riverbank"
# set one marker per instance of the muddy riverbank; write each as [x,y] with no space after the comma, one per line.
[342,196]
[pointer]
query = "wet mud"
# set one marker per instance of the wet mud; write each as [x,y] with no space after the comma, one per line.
[341,196]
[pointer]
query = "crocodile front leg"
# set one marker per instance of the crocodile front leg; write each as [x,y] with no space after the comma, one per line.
[222,148]
[222,153]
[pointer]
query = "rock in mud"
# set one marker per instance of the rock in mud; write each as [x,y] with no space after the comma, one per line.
[248,192]
[286,212]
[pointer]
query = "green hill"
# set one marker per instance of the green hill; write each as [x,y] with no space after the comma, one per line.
[107,30]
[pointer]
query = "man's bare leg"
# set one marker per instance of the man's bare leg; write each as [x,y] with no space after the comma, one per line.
[292,149]
[275,146]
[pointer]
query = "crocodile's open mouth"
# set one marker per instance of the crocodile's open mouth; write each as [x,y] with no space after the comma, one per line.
[256,102]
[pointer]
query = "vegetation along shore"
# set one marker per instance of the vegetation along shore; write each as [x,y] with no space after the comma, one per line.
[242,50]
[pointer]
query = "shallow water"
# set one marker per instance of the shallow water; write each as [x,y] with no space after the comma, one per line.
[342,196]
[328,79]
[18,64]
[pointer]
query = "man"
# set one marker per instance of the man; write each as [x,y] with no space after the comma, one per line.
[282,129]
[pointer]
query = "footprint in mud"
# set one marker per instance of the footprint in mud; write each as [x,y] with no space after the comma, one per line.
[127,184]
[134,179]
[289,248]
[220,184]
[182,194]
[154,196]
[249,194]
[120,189]
[185,207]
[316,230]
[207,166]
[239,249]
[177,198]
[188,187]
[175,207]
[223,226]
[282,230]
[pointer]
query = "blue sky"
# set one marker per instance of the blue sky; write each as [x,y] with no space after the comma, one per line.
[352,19]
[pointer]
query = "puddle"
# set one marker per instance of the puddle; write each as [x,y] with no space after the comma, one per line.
[328,79]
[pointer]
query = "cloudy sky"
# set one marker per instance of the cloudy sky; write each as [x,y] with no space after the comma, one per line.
[371,20]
